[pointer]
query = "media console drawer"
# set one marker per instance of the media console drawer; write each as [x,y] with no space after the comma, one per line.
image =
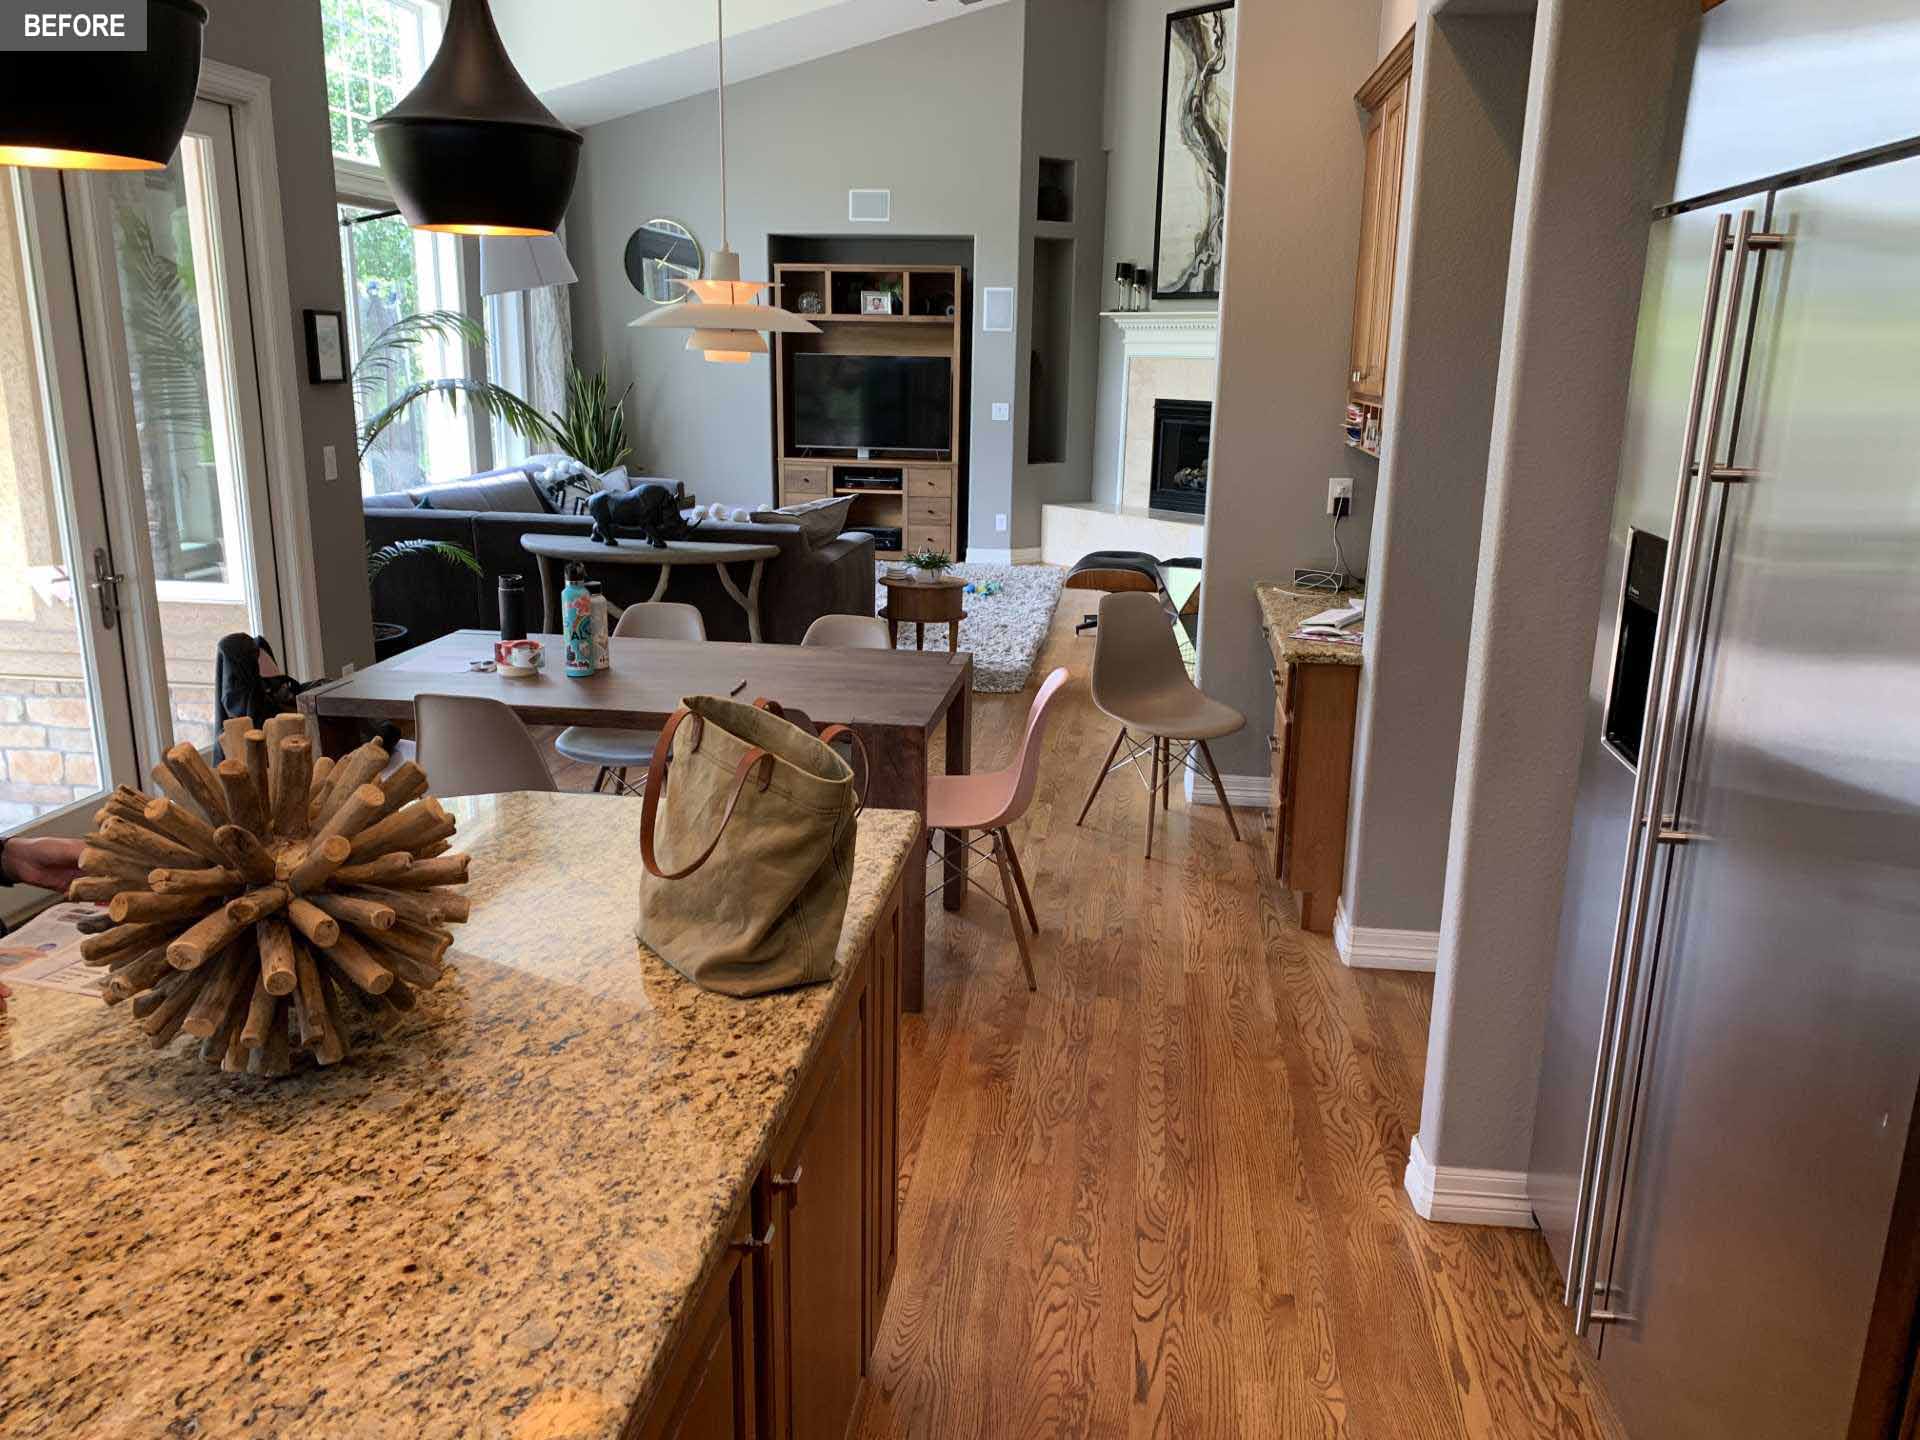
[930,480]
[928,512]
[808,480]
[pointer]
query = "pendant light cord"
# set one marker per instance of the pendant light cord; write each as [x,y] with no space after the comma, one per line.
[720,46]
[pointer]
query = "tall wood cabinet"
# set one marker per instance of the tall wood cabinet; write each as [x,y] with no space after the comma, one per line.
[917,494]
[1384,99]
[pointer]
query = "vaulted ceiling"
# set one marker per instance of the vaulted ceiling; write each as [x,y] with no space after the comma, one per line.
[594,59]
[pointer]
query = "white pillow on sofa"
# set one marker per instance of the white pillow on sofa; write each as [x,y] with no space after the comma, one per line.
[819,520]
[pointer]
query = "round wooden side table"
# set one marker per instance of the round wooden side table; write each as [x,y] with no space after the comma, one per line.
[921,603]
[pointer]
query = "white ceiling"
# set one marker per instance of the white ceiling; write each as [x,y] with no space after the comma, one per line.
[591,60]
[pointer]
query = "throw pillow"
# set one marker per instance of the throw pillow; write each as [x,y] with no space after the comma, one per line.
[819,520]
[512,491]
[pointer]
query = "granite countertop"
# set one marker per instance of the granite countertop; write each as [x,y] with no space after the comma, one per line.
[488,1224]
[1282,610]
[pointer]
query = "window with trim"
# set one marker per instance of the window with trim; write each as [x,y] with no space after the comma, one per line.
[376,52]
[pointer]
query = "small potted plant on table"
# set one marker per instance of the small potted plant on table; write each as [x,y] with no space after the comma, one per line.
[928,563]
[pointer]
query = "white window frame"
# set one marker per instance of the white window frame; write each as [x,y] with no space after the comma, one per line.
[453,262]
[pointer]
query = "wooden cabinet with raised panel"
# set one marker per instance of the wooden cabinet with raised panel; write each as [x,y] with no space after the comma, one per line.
[784,1330]
[1384,98]
[1314,707]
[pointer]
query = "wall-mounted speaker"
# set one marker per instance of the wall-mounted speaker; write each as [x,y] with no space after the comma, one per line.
[871,205]
[996,307]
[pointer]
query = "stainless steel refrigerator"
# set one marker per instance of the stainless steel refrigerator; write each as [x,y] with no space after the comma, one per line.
[1733,1052]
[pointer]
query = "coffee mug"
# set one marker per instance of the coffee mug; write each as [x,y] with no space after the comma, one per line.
[525,656]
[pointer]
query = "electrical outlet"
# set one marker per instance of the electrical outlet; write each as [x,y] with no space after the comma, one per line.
[1001,410]
[330,462]
[1000,524]
[1339,495]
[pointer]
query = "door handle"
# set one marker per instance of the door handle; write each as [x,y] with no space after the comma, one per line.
[791,1185]
[750,1244]
[106,588]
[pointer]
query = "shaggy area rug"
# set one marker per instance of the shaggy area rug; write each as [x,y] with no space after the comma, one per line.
[1004,630]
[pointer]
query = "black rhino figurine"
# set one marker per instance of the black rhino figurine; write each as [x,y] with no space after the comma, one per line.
[652,509]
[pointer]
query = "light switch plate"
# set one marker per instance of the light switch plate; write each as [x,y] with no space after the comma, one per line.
[330,462]
[1001,410]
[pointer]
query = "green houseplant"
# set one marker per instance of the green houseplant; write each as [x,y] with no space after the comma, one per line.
[931,563]
[387,636]
[387,382]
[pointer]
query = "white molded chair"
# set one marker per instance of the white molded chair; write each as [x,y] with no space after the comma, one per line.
[470,745]
[1140,681]
[617,751]
[848,632]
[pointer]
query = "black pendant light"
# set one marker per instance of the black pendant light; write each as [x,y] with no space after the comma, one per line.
[471,150]
[104,109]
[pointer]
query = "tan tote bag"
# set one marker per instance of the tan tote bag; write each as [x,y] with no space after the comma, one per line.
[746,846]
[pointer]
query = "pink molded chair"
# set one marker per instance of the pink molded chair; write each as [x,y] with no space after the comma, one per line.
[992,801]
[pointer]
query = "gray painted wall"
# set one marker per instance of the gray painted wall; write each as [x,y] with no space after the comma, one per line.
[1466,113]
[1590,169]
[1293,233]
[1064,89]
[281,40]
[1136,50]
[933,115]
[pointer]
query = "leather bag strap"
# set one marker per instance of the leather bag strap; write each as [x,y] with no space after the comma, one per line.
[657,783]
[833,733]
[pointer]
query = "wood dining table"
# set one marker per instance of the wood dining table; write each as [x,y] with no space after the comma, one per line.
[896,700]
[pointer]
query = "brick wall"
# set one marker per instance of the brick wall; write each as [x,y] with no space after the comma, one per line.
[47,756]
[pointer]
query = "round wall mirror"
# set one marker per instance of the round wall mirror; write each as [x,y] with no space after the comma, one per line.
[661,254]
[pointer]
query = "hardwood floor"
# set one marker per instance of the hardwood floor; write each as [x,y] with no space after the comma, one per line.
[1162,1196]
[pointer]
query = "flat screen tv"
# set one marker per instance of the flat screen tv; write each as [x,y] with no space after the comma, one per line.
[872,402]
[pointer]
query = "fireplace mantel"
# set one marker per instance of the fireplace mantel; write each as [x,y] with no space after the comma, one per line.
[1181,334]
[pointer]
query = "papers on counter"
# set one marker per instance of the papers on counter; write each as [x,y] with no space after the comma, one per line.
[46,951]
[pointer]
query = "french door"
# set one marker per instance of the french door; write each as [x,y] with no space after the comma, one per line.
[135,518]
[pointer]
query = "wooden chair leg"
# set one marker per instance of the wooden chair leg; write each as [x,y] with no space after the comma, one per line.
[1105,767]
[1020,879]
[1153,791]
[1213,772]
[1166,773]
[1013,906]
[600,780]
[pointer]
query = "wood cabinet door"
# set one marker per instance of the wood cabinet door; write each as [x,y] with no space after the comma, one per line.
[1365,273]
[817,1247]
[1392,153]
[1379,236]
[882,1161]
[709,1392]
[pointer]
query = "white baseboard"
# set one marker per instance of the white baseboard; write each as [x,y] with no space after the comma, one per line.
[1366,947]
[1244,792]
[1455,1196]
[980,555]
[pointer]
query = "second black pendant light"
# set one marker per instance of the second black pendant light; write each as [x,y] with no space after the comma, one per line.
[471,150]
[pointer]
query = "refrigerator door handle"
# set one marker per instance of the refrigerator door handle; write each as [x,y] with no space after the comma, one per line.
[1650,778]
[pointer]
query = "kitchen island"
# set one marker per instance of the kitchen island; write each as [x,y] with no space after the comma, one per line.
[569,1195]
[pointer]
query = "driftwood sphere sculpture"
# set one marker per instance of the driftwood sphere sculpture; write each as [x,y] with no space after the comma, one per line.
[250,901]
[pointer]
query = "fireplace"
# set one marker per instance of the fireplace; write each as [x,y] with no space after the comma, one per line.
[1182,431]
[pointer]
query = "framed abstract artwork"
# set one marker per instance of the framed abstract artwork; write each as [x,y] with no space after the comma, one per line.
[1196,105]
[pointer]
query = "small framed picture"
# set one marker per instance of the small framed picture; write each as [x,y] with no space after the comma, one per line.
[326,347]
[876,302]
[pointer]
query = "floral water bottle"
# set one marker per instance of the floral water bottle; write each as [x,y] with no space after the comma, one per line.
[576,621]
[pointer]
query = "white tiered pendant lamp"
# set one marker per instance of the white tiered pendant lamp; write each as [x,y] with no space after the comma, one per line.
[725,321]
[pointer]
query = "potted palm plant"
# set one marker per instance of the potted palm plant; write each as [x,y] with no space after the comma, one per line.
[389,638]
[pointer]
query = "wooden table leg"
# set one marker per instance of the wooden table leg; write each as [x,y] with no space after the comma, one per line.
[919,634]
[339,734]
[959,762]
[660,585]
[953,637]
[897,780]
